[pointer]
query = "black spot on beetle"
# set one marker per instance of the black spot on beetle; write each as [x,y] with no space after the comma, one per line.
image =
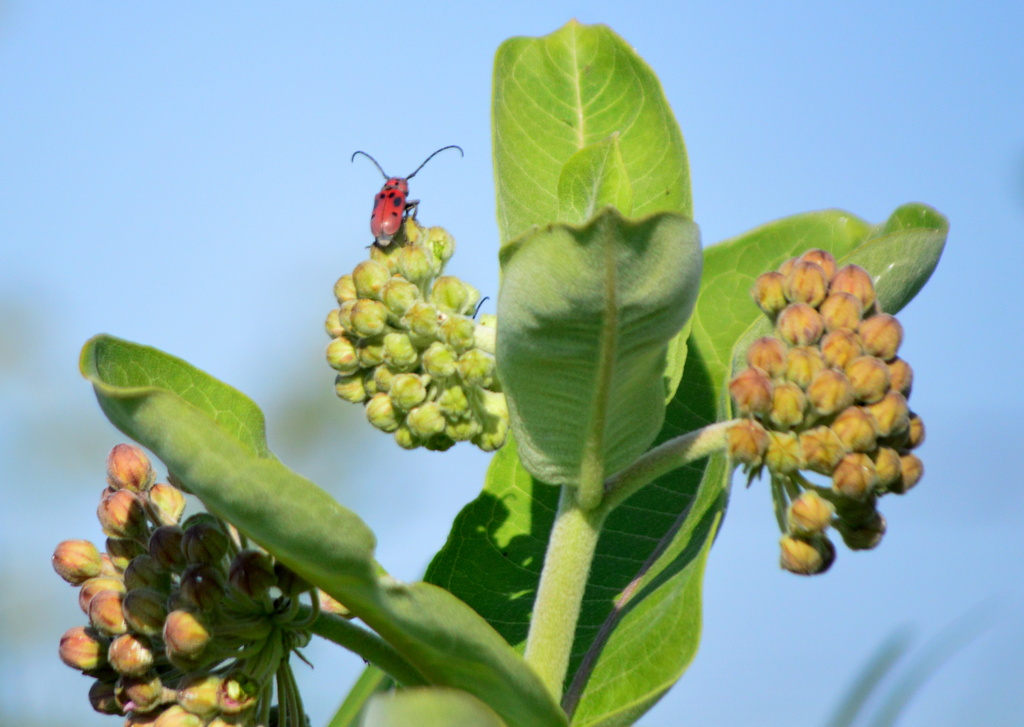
[398,201]
[393,214]
[380,195]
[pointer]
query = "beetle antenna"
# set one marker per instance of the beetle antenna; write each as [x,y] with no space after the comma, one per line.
[450,146]
[372,160]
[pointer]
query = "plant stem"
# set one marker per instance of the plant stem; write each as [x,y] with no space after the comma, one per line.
[560,593]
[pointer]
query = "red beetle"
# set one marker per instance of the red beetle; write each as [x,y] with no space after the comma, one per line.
[391,204]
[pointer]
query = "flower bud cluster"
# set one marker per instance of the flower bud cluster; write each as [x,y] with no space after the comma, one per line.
[186,624]
[826,393]
[404,343]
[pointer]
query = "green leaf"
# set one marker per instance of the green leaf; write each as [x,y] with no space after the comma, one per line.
[302,526]
[559,94]
[429,707]
[585,316]
[594,177]
[371,681]
[640,624]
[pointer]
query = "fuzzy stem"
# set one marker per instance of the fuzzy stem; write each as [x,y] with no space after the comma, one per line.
[560,593]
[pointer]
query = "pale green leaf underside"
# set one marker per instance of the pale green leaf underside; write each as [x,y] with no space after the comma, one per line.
[592,178]
[585,316]
[301,525]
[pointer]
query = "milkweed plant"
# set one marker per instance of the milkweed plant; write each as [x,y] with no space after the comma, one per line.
[627,373]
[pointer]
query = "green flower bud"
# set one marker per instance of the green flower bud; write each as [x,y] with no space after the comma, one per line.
[165,547]
[165,503]
[145,610]
[805,283]
[493,412]
[882,335]
[142,719]
[345,317]
[96,585]
[83,648]
[185,635]
[829,392]
[855,476]
[783,455]
[806,556]
[252,573]
[476,368]
[768,354]
[128,468]
[788,405]
[398,294]
[453,403]
[350,388]
[769,292]
[141,692]
[891,413]
[368,278]
[747,443]
[856,429]
[342,356]
[382,378]
[887,467]
[901,376]
[131,655]
[459,333]
[439,361]
[332,324]
[823,258]
[450,294]
[176,716]
[76,561]
[800,325]
[106,614]
[204,541]
[345,289]
[840,347]
[371,352]
[121,551]
[802,364]
[399,353]
[486,333]
[381,413]
[426,420]
[414,264]
[440,244]
[405,438]
[407,391]
[856,281]
[911,471]
[102,699]
[238,693]
[809,514]
[369,318]
[752,392]
[864,536]
[145,572]
[840,311]
[463,430]
[915,436]
[202,586]
[122,515]
[422,322]
[870,378]
[198,694]
[821,450]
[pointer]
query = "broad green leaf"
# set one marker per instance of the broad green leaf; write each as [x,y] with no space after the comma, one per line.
[640,624]
[592,178]
[301,525]
[371,681]
[429,707]
[585,316]
[559,94]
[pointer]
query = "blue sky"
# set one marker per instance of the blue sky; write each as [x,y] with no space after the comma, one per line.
[179,175]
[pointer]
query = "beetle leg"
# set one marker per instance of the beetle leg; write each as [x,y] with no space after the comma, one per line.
[410,206]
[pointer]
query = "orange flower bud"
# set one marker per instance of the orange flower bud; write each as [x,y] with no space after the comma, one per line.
[840,347]
[856,429]
[752,390]
[802,363]
[882,335]
[128,468]
[806,283]
[783,456]
[769,292]
[821,449]
[855,476]
[841,311]
[800,325]
[747,442]
[788,404]
[806,556]
[809,514]
[891,413]
[768,354]
[856,281]
[823,258]
[901,376]
[830,391]
[870,378]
